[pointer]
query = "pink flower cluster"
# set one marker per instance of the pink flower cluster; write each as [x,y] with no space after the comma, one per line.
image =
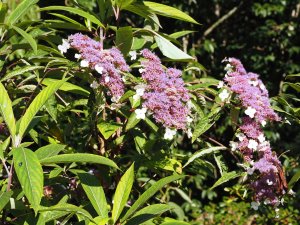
[110,63]
[165,94]
[268,178]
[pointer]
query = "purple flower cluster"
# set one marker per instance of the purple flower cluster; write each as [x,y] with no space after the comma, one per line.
[108,62]
[250,90]
[268,178]
[165,94]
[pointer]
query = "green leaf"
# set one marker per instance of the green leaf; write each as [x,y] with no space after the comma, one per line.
[203,152]
[69,208]
[148,213]
[226,177]
[20,71]
[3,11]
[36,104]
[27,37]
[4,198]
[132,121]
[30,174]
[124,39]
[67,87]
[108,128]
[49,150]
[149,193]
[7,111]
[294,179]
[122,193]
[3,146]
[94,191]
[168,11]
[123,3]
[175,222]
[52,215]
[21,10]
[170,50]
[143,11]
[79,158]
[203,125]
[76,11]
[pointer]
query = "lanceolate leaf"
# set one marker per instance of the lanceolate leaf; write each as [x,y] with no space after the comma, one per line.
[27,37]
[124,39]
[79,158]
[108,128]
[76,11]
[4,198]
[226,177]
[67,87]
[294,179]
[7,111]
[95,193]
[68,208]
[36,104]
[123,3]
[170,50]
[30,175]
[149,193]
[49,150]
[122,193]
[21,10]
[148,213]
[20,71]
[202,152]
[168,11]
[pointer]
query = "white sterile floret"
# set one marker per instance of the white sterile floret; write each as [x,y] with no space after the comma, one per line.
[94,85]
[115,98]
[263,123]
[190,104]
[141,113]
[64,46]
[250,112]
[142,70]
[77,56]
[106,79]
[269,182]
[261,138]
[252,144]
[254,205]
[262,86]
[99,69]
[253,82]
[189,133]
[250,171]
[170,133]
[224,95]
[240,136]
[84,63]
[189,119]
[220,84]
[267,202]
[228,67]
[233,145]
[291,192]
[132,55]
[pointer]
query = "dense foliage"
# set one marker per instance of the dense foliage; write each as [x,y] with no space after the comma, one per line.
[132,112]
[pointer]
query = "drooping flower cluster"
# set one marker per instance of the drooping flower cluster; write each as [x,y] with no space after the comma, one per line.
[268,178]
[164,94]
[110,63]
[251,91]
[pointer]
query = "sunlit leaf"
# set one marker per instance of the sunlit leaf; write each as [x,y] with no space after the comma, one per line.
[30,175]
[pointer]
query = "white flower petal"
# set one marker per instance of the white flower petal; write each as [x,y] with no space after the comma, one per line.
[141,113]
[77,56]
[169,135]
[133,55]
[252,144]
[250,112]
[224,95]
[84,63]
[221,84]
[254,205]
[99,69]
